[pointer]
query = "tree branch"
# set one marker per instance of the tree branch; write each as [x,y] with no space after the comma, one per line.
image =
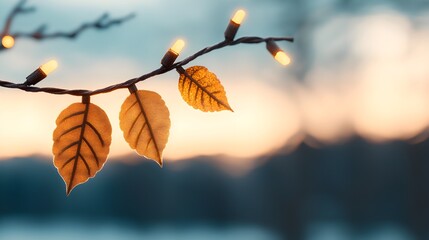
[159,71]
[103,22]
[19,9]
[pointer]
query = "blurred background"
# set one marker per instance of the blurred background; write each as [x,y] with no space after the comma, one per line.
[333,146]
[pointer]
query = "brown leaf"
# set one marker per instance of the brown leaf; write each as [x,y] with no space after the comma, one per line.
[202,90]
[145,122]
[81,143]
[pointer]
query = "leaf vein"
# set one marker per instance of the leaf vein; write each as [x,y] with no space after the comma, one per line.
[152,135]
[134,123]
[67,162]
[212,96]
[69,131]
[72,115]
[86,164]
[148,142]
[68,147]
[132,105]
[92,151]
[140,133]
[96,132]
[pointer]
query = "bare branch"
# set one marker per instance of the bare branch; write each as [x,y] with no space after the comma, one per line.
[102,22]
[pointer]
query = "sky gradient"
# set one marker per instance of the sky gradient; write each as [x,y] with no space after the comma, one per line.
[367,75]
[98,59]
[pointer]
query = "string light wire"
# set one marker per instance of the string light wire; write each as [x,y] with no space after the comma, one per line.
[133,81]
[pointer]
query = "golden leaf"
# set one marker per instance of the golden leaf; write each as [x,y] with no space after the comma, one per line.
[145,122]
[81,143]
[202,90]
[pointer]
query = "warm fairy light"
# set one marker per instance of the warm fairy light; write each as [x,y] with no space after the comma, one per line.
[172,54]
[178,46]
[278,53]
[8,41]
[41,73]
[49,67]
[239,16]
[234,24]
[282,58]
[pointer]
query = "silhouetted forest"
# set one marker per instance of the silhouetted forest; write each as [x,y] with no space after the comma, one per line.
[356,183]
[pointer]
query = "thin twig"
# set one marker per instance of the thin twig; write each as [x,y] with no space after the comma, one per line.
[103,22]
[19,8]
[159,71]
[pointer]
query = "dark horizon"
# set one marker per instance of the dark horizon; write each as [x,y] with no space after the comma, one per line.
[356,184]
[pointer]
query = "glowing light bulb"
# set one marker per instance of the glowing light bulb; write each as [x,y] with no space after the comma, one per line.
[277,53]
[178,46]
[282,58]
[234,25]
[172,54]
[7,41]
[41,73]
[49,67]
[239,16]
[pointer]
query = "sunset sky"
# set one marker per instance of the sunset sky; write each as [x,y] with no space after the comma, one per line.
[367,76]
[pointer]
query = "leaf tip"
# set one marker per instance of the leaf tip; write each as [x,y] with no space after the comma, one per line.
[160,163]
[68,191]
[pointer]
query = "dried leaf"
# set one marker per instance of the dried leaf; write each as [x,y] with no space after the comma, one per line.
[81,143]
[202,90]
[145,122]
